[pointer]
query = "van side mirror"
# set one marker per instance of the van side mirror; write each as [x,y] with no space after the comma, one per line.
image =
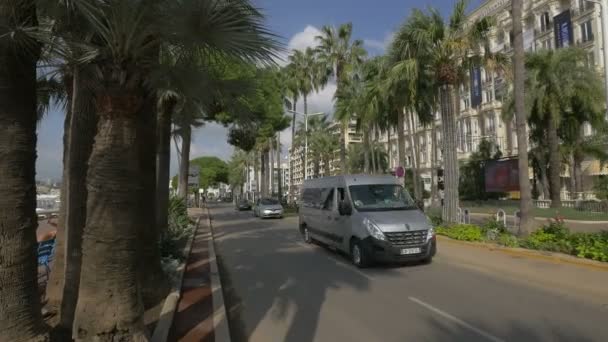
[344,208]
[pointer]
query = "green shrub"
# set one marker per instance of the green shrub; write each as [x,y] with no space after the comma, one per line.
[591,246]
[554,237]
[464,232]
[508,240]
[178,230]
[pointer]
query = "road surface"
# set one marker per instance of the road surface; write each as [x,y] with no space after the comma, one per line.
[280,289]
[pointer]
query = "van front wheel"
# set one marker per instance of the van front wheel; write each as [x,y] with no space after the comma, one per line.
[359,255]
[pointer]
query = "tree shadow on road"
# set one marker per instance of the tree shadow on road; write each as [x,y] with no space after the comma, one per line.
[269,277]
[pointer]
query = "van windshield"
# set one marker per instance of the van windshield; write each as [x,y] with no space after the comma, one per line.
[381,197]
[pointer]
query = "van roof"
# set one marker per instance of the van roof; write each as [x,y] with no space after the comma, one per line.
[348,180]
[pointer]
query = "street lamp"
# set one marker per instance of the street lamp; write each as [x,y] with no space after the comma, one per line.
[306,115]
[604,9]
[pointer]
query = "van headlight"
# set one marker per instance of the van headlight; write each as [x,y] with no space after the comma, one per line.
[373,230]
[430,234]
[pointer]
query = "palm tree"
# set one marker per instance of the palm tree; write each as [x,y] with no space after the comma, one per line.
[339,55]
[558,85]
[427,44]
[20,318]
[291,81]
[525,202]
[123,56]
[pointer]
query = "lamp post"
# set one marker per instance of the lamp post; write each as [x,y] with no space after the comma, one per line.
[306,115]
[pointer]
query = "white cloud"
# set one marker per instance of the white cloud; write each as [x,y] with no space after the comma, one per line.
[304,39]
[379,45]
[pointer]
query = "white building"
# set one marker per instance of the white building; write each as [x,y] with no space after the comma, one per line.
[296,156]
[580,25]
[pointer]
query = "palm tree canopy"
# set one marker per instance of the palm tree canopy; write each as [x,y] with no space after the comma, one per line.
[337,52]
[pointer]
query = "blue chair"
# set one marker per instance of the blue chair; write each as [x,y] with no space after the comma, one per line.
[46,249]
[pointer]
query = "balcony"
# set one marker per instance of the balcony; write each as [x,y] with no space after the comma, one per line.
[581,11]
[538,32]
[585,43]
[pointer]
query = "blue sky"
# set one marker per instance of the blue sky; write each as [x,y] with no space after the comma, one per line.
[296,22]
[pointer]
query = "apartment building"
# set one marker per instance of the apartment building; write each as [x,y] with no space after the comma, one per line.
[296,156]
[547,24]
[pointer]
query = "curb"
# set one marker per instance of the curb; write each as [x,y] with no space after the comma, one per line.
[220,317]
[161,332]
[541,255]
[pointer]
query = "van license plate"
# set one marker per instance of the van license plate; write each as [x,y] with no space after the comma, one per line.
[405,251]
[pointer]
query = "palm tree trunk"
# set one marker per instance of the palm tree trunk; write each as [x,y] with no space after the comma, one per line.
[291,166]
[389,147]
[271,168]
[414,153]
[152,281]
[525,203]
[366,151]
[20,318]
[434,189]
[450,156]
[263,167]
[373,151]
[279,173]
[182,190]
[65,278]
[544,180]
[343,148]
[163,164]
[401,140]
[109,303]
[554,162]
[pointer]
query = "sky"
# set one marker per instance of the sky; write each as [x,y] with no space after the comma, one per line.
[297,22]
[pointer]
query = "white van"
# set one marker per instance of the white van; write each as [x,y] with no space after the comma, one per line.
[372,218]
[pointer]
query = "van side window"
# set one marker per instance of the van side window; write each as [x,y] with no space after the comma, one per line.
[329,201]
[341,195]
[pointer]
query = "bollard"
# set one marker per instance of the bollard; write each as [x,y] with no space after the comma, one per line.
[459,215]
[466,218]
[501,216]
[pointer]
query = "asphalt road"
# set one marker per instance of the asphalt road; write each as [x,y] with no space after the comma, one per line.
[280,289]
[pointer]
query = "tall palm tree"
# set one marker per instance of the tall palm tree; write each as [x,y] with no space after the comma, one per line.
[123,56]
[291,82]
[20,318]
[525,202]
[444,51]
[558,84]
[339,55]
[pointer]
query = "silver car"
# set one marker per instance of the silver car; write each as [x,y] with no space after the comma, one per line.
[267,208]
[372,218]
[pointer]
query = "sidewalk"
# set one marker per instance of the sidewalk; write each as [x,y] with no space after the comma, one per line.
[193,320]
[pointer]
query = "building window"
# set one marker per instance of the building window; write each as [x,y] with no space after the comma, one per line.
[491,124]
[546,44]
[466,103]
[584,5]
[587,30]
[545,22]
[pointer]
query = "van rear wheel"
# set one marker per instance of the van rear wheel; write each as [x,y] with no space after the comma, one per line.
[359,255]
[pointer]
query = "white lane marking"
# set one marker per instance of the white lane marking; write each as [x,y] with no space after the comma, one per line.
[456,320]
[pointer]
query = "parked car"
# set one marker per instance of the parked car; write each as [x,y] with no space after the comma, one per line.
[267,208]
[243,205]
[372,218]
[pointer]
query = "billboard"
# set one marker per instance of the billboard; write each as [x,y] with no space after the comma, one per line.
[475,86]
[502,175]
[563,30]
